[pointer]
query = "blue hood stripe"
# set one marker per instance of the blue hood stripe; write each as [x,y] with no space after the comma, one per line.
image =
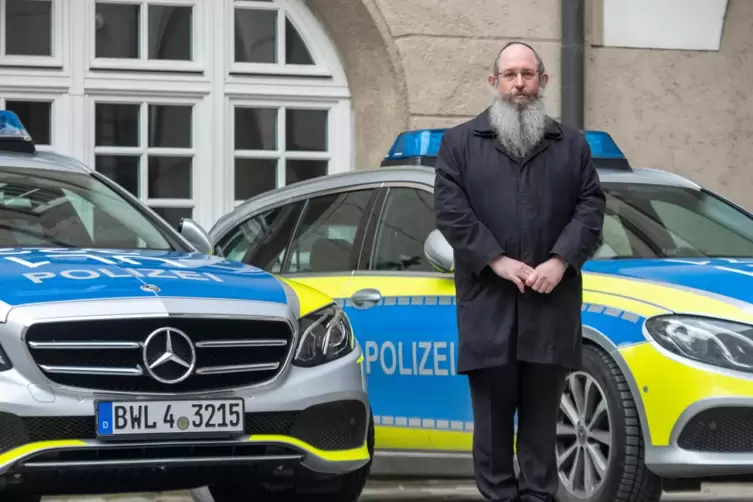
[47,275]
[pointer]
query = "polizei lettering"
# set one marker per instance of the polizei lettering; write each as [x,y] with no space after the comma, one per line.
[119,273]
[422,358]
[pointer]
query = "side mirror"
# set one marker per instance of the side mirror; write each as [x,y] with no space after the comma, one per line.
[439,252]
[196,235]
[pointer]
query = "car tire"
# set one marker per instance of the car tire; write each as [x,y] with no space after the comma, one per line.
[346,488]
[626,477]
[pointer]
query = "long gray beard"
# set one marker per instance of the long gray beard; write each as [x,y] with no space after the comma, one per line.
[519,130]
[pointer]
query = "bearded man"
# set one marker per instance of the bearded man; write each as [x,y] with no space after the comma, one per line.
[518,198]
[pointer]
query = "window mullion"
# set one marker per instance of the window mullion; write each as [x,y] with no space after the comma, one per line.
[143,144]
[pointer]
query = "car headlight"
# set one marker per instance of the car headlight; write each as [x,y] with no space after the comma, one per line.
[5,364]
[713,341]
[326,335]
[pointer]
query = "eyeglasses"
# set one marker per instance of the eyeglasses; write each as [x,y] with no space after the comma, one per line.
[513,74]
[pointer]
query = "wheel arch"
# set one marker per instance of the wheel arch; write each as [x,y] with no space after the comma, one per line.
[596,338]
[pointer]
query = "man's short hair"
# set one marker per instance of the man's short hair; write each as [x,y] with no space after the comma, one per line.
[539,63]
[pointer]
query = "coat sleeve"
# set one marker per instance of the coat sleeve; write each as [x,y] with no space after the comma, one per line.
[581,237]
[471,240]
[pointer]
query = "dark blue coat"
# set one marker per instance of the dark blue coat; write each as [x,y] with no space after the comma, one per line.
[488,202]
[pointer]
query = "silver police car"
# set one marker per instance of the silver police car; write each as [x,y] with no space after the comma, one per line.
[133,360]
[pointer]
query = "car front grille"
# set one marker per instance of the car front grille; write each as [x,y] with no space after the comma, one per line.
[109,354]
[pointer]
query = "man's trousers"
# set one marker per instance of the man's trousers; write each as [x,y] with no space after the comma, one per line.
[534,390]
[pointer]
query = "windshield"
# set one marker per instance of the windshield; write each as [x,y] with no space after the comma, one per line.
[50,208]
[648,221]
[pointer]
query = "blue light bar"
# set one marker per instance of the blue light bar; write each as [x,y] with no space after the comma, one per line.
[13,135]
[421,146]
[11,126]
[414,146]
[603,146]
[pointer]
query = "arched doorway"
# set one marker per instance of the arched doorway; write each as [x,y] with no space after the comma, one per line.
[193,105]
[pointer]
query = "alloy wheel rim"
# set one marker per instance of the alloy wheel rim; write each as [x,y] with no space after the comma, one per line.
[584,436]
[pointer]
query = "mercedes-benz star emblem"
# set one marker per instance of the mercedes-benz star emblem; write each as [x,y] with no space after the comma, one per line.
[169,355]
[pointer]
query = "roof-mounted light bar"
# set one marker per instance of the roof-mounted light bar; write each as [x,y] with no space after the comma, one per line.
[13,135]
[421,146]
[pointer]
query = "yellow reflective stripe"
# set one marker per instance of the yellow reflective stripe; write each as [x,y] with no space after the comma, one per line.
[309,299]
[30,448]
[355,454]
[408,438]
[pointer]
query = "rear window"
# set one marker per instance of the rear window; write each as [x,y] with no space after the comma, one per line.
[49,208]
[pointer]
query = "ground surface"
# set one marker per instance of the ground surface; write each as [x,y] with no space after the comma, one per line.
[418,492]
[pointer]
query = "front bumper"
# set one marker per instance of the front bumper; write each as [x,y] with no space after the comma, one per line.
[308,424]
[697,419]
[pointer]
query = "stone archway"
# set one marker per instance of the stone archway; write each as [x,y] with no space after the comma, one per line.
[374,72]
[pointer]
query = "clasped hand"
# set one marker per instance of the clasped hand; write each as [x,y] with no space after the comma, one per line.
[542,279]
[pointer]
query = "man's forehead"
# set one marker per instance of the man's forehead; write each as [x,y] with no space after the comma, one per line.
[517,56]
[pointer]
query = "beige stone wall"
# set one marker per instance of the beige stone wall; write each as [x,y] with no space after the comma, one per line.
[424,63]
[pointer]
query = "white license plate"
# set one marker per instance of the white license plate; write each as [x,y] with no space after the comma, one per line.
[131,418]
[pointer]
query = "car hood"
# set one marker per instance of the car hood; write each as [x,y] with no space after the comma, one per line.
[53,275]
[727,277]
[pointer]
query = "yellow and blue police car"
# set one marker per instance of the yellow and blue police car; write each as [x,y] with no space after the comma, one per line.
[665,398]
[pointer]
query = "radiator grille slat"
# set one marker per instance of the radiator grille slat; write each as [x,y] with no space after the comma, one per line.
[108,354]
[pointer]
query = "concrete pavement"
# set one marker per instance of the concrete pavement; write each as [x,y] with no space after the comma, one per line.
[430,491]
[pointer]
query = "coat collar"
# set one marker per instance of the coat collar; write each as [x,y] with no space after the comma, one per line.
[482,127]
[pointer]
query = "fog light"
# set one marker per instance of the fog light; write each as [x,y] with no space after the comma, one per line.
[5,364]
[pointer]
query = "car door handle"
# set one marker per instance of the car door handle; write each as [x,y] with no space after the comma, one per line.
[366,297]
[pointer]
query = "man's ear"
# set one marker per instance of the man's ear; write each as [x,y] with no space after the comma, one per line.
[492,81]
[544,79]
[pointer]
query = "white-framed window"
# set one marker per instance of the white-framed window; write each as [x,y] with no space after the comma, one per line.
[42,114]
[277,142]
[31,33]
[159,35]
[126,63]
[266,37]
[149,147]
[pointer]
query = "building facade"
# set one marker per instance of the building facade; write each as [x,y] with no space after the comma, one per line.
[195,105]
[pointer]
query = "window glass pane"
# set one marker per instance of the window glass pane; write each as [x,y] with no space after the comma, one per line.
[170,126]
[116,124]
[306,130]
[265,236]
[28,28]
[170,177]
[255,128]
[301,170]
[255,36]
[408,219]
[35,116]
[173,215]
[117,28]
[254,176]
[68,209]
[170,32]
[644,221]
[296,51]
[123,170]
[326,238]
[268,236]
